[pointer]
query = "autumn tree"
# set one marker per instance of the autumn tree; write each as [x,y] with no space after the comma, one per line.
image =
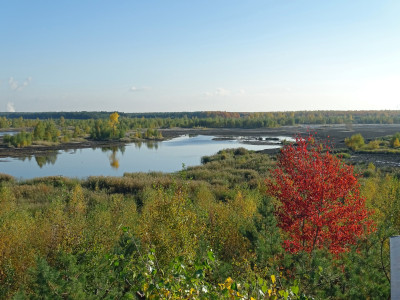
[395,140]
[396,143]
[105,130]
[320,203]
[114,121]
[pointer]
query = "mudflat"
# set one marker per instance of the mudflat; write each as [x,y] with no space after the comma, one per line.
[335,133]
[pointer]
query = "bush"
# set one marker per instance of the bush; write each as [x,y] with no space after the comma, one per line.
[395,140]
[241,151]
[373,145]
[355,142]
[343,155]
[19,140]
[6,178]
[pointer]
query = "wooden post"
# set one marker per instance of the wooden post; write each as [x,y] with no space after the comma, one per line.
[395,267]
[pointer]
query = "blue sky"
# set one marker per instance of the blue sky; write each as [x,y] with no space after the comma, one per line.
[145,56]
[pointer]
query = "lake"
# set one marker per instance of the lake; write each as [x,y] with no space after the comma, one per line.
[165,156]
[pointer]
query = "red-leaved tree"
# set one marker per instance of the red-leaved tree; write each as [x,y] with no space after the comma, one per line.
[320,202]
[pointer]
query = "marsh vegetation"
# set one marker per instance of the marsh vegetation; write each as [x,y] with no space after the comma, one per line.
[204,232]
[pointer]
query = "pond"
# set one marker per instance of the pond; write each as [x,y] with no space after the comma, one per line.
[2,133]
[165,156]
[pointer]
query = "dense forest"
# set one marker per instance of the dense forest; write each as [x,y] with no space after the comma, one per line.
[225,229]
[214,119]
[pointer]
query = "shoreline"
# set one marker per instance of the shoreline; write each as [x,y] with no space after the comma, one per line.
[44,149]
[335,133]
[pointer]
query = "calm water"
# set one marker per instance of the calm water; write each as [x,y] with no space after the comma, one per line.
[166,156]
[7,132]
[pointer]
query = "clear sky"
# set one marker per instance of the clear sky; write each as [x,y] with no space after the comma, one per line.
[146,56]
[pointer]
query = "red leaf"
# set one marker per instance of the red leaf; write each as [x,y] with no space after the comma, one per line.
[321,205]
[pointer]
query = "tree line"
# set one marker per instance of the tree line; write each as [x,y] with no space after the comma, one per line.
[212,119]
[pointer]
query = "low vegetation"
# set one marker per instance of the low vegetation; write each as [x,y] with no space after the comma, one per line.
[213,231]
[388,144]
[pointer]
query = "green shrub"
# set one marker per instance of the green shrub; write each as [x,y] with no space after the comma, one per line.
[343,155]
[241,151]
[6,178]
[355,142]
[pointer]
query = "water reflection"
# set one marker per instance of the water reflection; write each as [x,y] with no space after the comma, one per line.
[138,145]
[50,158]
[148,144]
[3,133]
[114,160]
[166,156]
[42,159]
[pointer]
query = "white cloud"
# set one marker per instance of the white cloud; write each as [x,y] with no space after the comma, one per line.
[16,86]
[218,92]
[222,92]
[137,89]
[10,107]
[13,83]
[27,81]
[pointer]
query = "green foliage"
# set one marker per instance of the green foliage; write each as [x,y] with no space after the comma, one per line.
[106,130]
[21,139]
[169,224]
[65,238]
[395,140]
[38,131]
[4,123]
[152,134]
[373,145]
[6,178]
[389,144]
[42,131]
[128,272]
[211,119]
[396,143]
[58,282]
[343,155]
[355,142]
